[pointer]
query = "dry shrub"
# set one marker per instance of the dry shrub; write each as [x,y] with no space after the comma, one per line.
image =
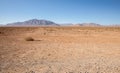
[29,39]
[1,32]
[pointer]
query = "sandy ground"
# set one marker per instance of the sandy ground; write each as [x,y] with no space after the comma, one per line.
[60,50]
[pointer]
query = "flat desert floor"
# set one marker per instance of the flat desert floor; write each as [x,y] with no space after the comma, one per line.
[60,50]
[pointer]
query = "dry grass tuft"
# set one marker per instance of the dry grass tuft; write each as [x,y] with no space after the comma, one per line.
[29,39]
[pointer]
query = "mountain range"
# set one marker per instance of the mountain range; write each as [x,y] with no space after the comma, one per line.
[37,22]
[34,22]
[87,24]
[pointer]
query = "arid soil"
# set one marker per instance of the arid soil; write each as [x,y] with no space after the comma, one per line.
[60,50]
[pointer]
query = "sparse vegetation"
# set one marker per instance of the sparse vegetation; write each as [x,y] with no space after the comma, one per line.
[29,39]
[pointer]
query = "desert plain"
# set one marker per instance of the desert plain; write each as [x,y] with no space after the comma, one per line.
[60,49]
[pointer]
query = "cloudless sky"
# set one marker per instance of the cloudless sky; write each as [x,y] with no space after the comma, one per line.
[61,11]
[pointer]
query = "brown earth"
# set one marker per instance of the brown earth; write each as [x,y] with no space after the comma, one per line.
[60,50]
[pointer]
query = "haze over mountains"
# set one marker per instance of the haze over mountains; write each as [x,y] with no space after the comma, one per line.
[37,22]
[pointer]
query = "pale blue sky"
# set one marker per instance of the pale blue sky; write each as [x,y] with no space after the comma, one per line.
[61,11]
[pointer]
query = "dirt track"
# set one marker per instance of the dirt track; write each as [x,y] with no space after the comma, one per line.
[60,50]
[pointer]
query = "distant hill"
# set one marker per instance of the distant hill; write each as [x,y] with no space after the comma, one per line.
[115,25]
[34,22]
[88,24]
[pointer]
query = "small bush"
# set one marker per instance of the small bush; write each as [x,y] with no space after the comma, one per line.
[29,39]
[0,32]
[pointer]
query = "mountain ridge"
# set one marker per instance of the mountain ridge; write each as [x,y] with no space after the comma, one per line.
[43,22]
[35,22]
[87,24]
